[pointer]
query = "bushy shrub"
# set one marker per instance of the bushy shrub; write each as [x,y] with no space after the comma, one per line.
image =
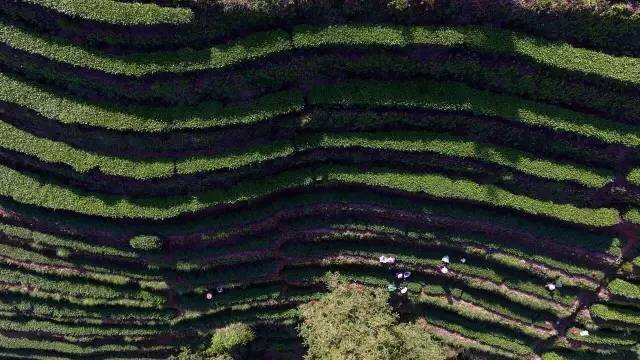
[356,322]
[145,242]
[227,343]
[231,339]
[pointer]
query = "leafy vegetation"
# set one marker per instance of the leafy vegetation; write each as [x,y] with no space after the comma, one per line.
[182,174]
[353,322]
[116,12]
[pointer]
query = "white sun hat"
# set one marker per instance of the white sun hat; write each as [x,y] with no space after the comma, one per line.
[445,259]
[209,296]
[444,270]
[403,290]
[463,260]
[551,286]
[584,333]
[406,274]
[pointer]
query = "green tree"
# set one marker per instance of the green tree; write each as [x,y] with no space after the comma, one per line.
[354,322]
[227,343]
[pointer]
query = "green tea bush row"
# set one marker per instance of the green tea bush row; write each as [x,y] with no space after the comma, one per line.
[500,306]
[480,314]
[519,77]
[445,96]
[82,300]
[35,262]
[625,290]
[461,189]
[70,348]
[17,305]
[74,288]
[483,333]
[117,12]
[528,294]
[607,338]
[537,140]
[449,96]
[30,190]
[633,216]
[146,119]
[560,55]
[601,24]
[75,331]
[38,240]
[491,270]
[82,161]
[610,313]
[634,176]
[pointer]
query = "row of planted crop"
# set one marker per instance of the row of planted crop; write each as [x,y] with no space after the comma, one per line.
[30,190]
[71,141]
[542,271]
[231,275]
[514,182]
[438,96]
[252,314]
[476,246]
[511,76]
[561,241]
[600,95]
[491,40]
[117,12]
[246,252]
[82,161]
[607,26]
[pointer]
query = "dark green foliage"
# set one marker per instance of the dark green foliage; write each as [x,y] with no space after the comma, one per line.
[146,242]
[227,343]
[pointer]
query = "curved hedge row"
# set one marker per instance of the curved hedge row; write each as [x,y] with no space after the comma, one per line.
[117,12]
[561,56]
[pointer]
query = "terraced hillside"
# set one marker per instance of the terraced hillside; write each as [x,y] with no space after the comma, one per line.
[152,152]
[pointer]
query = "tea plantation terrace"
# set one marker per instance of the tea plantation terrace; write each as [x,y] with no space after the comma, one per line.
[168,168]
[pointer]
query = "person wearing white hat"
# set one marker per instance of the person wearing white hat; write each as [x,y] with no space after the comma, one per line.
[551,286]
[209,296]
[445,259]
[406,274]
[584,333]
[444,270]
[403,290]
